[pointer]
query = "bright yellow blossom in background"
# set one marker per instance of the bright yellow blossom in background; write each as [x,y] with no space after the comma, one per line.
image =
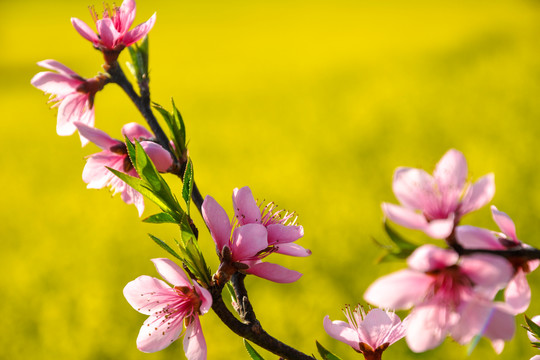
[310,103]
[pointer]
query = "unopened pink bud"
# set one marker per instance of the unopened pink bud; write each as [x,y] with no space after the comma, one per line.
[161,158]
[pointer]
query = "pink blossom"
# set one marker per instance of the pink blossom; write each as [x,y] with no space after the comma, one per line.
[517,293]
[170,308]
[114,156]
[253,235]
[71,93]
[450,295]
[442,199]
[112,29]
[366,333]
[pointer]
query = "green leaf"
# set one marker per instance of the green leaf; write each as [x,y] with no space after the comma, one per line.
[139,60]
[160,218]
[180,128]
[398,239]
[533,327]
[536,344]
[251,351]
[165,247]
[326,355]
[231,291]
[187,187]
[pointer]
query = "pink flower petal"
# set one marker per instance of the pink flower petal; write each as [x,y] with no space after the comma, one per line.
[440,228]
[248,240]
[107,32]
[292,250]
[95,173]
[71,109]
[341,331]
[171,272]
[245,206]
[399,290]
[161,158]
[429,258]
[194,342]
[57,84]
[404,216]
[471,237]
[505,223]
[85,31]
[379,328]
[501,327]
[451,172]
[205,296]
[518,293]
[98,137]
[414,188]
[156,334]
[478,195]
[274,272]
[134,131]
[280,234]
[58,67]
[428,326]
[489,271]
[217,221]
[126,13]
[139,32]
[140,292]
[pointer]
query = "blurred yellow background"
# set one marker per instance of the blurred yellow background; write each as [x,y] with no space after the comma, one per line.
[311,103]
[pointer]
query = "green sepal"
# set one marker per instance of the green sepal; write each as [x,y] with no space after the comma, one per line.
[326,354]
[177,129]
[533,327]
[251,351]
[166,247]
[187,186]
[160,218]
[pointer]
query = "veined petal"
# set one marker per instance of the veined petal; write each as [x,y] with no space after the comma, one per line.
[440,228]
[194,342]
[107,32]
[70,110]
[218,222]
[245,206]
[134,131]
[501,327]
[451,172]
[505,223]
[518,293]
[414,188]
[280,234]
[85,31]
[126,12]
[98,137]
[58,67]
[248,240]
[478,195]
[489,271]
[140,292]
[139,32]
[58,84]
[399,290]
[429,258]
[471,237]
[292,250]
[161,158]
[341,331]
[171,272]
[157,333]
[274,272]
[95,173]
[377,327]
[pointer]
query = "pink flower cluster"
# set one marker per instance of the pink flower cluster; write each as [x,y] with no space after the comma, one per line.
[453,295]
[253,234]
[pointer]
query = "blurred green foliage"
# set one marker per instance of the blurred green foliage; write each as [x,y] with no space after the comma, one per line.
[311,103]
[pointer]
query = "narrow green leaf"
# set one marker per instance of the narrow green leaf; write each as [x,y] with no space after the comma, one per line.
[251,351]
[165,247]
[160,218]
[231,291]
[536,344]
[179,126]
[398,239]
[533,327]
[326,355]
[187,187]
